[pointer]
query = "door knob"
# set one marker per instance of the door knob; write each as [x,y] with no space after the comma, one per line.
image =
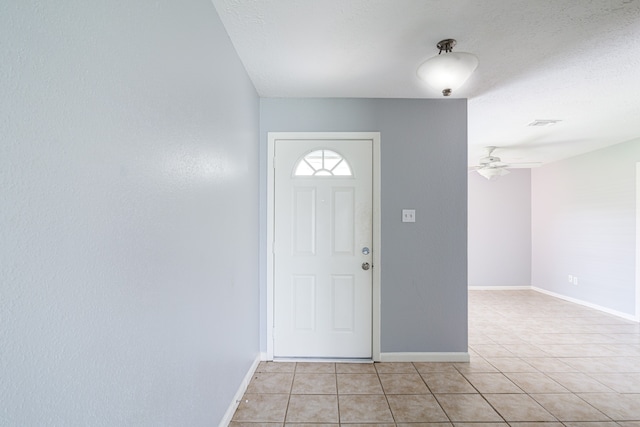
[365,266]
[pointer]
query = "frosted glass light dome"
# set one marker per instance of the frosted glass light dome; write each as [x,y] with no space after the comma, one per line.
[493,173]
[448,70]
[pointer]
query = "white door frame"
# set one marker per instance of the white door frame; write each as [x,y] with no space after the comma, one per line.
[637,313]
[374,137]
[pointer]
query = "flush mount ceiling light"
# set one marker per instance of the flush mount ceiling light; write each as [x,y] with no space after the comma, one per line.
[448,71]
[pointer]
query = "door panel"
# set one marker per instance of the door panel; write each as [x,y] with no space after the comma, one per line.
[304,304]
[342,223]
[343,301]
[304,232]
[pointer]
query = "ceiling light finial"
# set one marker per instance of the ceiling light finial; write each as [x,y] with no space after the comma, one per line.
[449,71]
[447,45]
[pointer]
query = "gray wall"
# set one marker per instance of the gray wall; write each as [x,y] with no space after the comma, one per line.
[129,214]
[423,161]
[584,224]
[500,229]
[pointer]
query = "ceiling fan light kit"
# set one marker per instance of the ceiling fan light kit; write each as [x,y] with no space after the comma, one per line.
[492,167]
[448,71]
[492,172]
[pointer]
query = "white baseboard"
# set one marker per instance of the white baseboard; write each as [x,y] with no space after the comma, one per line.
[237,398]
[588,304]
[322,360]
[498,288]
[424,357]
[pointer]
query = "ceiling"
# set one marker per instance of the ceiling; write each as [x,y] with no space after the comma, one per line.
[569,60]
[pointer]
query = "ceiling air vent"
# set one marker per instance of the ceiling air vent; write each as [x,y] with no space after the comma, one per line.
[542,123]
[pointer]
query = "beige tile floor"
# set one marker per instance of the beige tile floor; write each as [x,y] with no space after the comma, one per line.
[535,361]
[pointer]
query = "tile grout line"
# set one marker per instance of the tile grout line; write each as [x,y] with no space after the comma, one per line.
[384,393]
[483,396]
[293,379]
[335,373]
[433,394]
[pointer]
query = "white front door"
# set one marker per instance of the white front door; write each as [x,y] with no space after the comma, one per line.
[323,248]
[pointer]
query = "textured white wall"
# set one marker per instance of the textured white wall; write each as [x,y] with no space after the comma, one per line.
[584,224]
[128,214]
[499,247]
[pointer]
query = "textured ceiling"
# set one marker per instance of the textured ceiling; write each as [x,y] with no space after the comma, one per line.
[577,61]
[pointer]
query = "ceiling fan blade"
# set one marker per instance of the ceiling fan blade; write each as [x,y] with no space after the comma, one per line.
[523,165]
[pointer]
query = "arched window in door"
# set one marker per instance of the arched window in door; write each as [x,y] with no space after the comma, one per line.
[322,163]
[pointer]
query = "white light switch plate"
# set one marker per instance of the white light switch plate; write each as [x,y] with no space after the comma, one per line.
[408,215]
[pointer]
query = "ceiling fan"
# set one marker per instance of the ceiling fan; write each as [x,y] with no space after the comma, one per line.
[492,167]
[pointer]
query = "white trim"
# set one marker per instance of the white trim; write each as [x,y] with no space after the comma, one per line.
[270,241]
[311,359]
[376,247]
[425,357]
[237,398]
[588,304]
[499,288]
[637,241]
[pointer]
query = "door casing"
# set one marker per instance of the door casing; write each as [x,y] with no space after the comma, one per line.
[374,137]
[637,313]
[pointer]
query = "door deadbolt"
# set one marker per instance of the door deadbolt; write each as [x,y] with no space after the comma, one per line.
[365,265]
